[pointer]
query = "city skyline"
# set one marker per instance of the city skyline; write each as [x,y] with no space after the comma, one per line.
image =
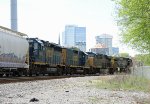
[104,45]
[46,20]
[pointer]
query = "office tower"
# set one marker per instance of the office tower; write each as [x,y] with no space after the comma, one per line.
[74,36]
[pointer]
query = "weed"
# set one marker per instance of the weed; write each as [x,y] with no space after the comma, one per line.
[124,82]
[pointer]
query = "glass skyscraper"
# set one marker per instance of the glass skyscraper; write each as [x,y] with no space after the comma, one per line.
[74,36]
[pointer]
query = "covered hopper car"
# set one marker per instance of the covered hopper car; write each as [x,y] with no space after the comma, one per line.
[13,52]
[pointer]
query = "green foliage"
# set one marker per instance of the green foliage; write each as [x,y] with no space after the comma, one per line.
[145,58]
[124,54]
[133,16]
[124,83]
[75,48]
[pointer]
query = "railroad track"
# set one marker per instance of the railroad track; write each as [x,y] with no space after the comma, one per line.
[5,80]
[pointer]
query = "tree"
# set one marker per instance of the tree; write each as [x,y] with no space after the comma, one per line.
[143,58]
[133,17]
[124,54]
[75,48]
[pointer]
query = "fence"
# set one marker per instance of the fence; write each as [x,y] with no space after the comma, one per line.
[143,71]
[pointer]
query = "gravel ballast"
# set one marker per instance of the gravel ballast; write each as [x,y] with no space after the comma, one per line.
[66,91]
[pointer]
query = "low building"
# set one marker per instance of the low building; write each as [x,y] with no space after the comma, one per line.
[100,49]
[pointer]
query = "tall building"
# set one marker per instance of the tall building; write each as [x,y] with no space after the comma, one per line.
[74,36]
[104,39]
[115,51]
[104,45]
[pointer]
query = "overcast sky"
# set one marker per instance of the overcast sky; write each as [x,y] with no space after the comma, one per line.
[46,19]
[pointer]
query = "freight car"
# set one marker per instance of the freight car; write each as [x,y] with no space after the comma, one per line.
[13,53]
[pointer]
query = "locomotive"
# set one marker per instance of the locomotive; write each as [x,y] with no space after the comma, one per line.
[20,55]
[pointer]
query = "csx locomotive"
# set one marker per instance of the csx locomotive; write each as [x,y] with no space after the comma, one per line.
[20,55]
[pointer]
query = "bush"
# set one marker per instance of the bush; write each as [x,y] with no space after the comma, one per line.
[124,82]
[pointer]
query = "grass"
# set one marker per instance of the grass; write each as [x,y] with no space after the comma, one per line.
[94,99]
[124,82]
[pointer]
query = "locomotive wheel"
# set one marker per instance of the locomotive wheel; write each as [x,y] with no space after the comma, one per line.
[71,72]
[7,75]
[111,71]
[1,75]
[26,74]
[59,72]
[84,73]
[49,74]
[19,74]
[30,74]
[37,74]
[14,74]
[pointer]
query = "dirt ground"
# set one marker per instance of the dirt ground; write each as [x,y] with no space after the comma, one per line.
[67,91]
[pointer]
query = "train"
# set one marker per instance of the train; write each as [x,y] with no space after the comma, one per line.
[24,56]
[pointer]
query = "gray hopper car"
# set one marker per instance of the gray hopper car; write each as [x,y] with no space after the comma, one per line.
[13,52]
